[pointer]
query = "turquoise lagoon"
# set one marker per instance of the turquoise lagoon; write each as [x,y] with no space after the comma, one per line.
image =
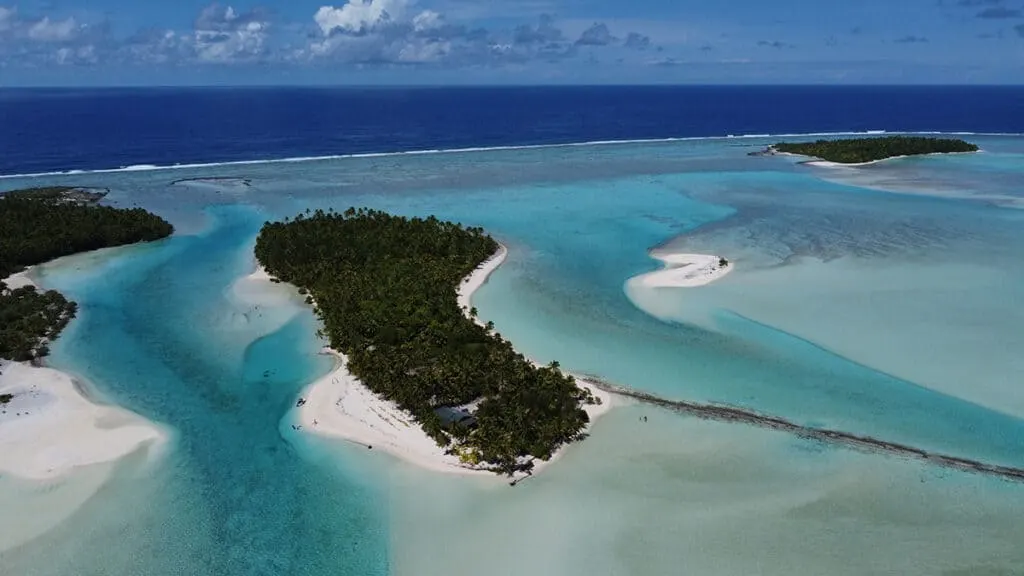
[883,300]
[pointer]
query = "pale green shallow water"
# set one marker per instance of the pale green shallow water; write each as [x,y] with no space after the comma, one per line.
[890,314]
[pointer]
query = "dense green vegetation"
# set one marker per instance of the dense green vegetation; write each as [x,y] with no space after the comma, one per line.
[29,319]
[41,224]
[60,194]
[856,150]
[385,289]
[38,226]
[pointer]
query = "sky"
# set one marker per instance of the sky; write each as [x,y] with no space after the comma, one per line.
[444,42]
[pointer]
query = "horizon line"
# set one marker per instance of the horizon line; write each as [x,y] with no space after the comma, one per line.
[382,86]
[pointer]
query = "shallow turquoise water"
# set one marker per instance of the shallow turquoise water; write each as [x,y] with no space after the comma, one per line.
[882,313]
[240,497]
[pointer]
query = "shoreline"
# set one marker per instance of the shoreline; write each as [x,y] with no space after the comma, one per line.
[820,163]
[683,270]
[339,406]
[51,426]
[21,279]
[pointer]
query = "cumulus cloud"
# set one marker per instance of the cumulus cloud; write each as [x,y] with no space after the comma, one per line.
[219,34]
[596,35]
[427,20]
[32,40]
[47,30]
[357,32]
[364,16]
[637,41]
[156,46]
[384,31]
[543,31]
[14,26]
[223,35]
[400,32]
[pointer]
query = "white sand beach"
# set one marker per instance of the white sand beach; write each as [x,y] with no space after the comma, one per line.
[818,163]
[684,271]
[49,427]
[20,280]
[805,160]
[339,406]
[258,289]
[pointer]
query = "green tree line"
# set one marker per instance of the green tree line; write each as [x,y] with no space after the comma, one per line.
[40,224]
[857,150]
[40,227]
[384,288]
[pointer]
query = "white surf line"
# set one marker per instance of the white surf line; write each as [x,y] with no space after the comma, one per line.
[229,163]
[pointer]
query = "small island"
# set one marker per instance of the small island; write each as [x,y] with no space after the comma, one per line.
[864,150]
[41,224]
[385,288]
[683,270]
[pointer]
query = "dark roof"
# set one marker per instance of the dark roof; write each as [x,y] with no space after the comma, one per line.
[454,415]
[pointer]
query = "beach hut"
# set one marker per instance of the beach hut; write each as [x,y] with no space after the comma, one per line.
[457,416]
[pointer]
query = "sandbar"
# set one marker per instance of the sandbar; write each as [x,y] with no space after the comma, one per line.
[682,270]
[49,427]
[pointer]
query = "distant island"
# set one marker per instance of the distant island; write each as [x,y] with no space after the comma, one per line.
[385,288]
[862,150]
[41,224]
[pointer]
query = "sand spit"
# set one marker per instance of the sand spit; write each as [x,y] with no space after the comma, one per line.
[732,414]
[49,427]
[684,270]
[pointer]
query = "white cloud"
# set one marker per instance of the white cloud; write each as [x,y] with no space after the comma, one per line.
[423,52]
[156,46]
[80,55]
[6,18]
[47,30]
[357,32]
[383,31]
[427,20]
[359,16]
[224,35]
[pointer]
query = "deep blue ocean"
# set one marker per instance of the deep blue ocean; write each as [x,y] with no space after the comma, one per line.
[45,130]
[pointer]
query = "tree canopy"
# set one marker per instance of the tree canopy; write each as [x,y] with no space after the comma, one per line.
[385,289]
[857,150]
[41,224]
